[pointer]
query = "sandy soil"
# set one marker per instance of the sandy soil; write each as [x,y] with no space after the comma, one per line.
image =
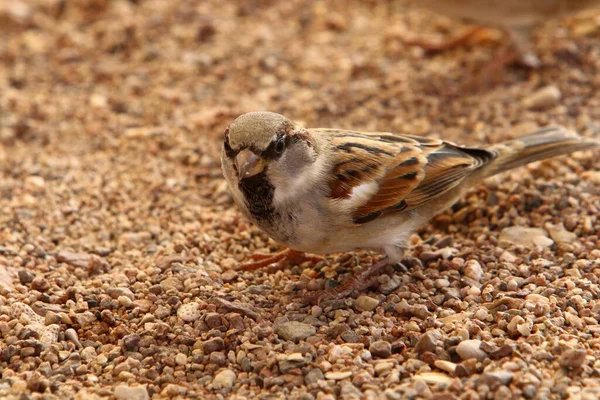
[119,241]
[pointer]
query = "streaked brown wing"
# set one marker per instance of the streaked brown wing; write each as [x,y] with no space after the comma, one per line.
[446,168]
[410,170]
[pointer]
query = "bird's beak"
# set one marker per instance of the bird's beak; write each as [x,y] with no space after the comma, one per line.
[248,164]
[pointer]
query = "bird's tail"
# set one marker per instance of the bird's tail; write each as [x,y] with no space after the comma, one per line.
[539,145]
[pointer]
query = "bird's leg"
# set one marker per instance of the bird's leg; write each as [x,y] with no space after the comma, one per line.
[454,41]
[278,260]
[359,281]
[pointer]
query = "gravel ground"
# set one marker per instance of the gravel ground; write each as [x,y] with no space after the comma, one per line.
[119,241]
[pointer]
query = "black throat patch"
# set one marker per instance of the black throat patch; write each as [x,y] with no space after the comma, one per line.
[259,193]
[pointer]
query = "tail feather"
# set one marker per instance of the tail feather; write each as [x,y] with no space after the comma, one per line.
[539,145]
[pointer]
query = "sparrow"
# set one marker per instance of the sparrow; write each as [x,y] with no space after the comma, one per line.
[517,17]
[327,191]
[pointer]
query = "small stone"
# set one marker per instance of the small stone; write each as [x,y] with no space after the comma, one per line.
[212,345]
[350,336]
[71,334]
[508,257]
[473,270]
[444,365]
[88,353]
[505,350]
[349,392]
[434,378]
[41,284]
[529,237]
[559,234]
[543,98]
[383,368]
[495,378]
[85,318]
[131,342]
[592,176]
[123,392]
[34,184]
[468,349]
[116,292]
[366,303]
[189,312]
[295,331]
[125,301]
[313,376]
[339,352]
[224,380]
[52,318]
[181,359]
[428,342]
[381,349]
[338,375]
[572,358]
[213,320]
[537,299]
[25,277]
[229,275]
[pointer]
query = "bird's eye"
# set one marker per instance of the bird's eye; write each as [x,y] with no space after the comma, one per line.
[280,145]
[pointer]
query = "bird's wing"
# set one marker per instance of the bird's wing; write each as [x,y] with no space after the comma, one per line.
[402,171]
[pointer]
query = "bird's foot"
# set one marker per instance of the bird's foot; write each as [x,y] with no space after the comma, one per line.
[278,260]
[436,46]
[361,280]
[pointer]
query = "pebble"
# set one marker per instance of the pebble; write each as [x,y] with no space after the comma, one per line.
[383,368]
[131,342]
[338,375]
[366,303]
[530,237]
[229,275]
[41,284]
[349,392]
[495,378]
[572,358]
[85,319]
[543,98]
[123,392]
[444,365]
[116,292]
[125,301]
[295,331]
[473,270]
[71,334]
[428,342]
[468,349]
[181,359]
[381,349]
[537,299]
[338,352]
[189,312]
[224,379]
[434,378]
[212,345]
[592,176]
[34,183]
[313,376]
[559,234]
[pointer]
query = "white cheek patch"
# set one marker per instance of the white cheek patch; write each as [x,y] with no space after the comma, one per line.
[307,179]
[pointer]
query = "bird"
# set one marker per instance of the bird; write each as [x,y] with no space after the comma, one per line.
[322,191]
[517,17]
